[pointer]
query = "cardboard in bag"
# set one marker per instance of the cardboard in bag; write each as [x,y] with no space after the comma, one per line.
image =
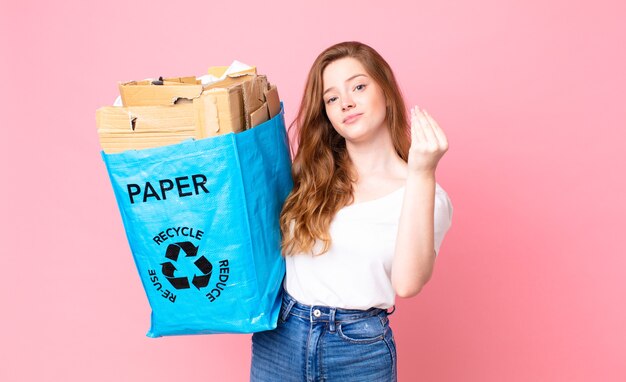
[219,111]
[273,101]
[138,127]
[183,108]
[144,93]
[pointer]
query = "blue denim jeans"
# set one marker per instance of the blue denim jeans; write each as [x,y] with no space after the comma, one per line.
[321,343]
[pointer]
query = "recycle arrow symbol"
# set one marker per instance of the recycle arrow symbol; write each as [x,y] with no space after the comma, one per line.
[173,250]
[168,269]
[206,268]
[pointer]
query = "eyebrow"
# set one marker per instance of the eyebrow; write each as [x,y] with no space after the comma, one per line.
[349,79]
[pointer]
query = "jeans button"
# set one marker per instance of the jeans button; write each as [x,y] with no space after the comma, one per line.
[317,313]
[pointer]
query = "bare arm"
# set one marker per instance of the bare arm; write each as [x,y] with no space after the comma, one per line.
[414,256]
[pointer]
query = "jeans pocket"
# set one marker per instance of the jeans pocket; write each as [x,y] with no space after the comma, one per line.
[363,331]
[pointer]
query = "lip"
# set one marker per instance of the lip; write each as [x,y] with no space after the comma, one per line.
[352,118]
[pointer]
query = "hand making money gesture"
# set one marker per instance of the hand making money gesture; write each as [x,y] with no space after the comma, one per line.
[428,142]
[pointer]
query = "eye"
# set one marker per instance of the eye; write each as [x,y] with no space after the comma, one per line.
[360,87]
[331,99]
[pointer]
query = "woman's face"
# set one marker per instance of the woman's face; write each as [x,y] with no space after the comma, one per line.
[354,103]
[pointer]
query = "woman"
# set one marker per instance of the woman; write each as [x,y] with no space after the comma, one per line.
[363,223]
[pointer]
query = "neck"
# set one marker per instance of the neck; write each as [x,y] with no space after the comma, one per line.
[374,157]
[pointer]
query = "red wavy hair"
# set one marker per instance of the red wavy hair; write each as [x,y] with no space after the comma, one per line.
[322,170]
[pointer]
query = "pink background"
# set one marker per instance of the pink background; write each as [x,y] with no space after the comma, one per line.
[530,282]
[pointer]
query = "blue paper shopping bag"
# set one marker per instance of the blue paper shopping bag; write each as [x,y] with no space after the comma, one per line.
[202,221]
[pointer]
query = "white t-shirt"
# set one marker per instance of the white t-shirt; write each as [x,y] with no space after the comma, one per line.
[356,271]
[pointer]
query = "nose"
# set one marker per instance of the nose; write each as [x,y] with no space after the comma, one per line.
[347,103]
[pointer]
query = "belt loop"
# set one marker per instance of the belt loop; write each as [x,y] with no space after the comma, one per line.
[390,313]
[331,319]
[288,309]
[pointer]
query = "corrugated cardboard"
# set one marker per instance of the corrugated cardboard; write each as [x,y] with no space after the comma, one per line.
[273,101]
[232,80]
[137,127]
[253,96]
[182,108]
[219,111]
[143,93]
[259,116]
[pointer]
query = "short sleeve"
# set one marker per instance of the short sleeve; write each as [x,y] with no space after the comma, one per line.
[443,216]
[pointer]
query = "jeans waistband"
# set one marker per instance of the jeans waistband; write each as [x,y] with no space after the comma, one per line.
[325,313]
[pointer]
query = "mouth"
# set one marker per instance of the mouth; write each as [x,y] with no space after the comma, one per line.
[352,118]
